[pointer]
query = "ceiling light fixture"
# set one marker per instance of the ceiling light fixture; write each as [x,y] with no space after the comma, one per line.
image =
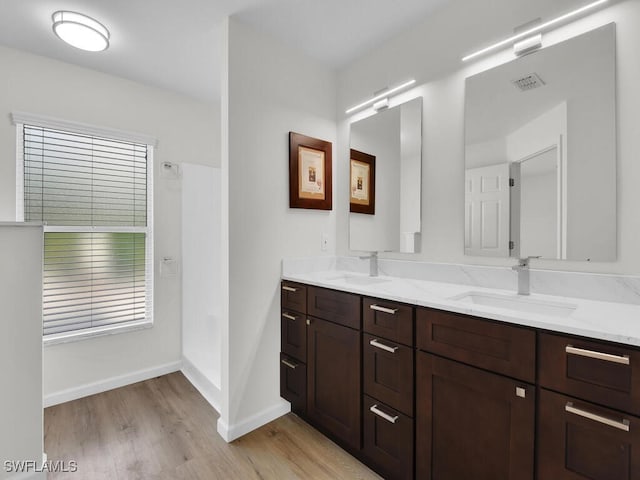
[80,31]
[385,93]
[533,30]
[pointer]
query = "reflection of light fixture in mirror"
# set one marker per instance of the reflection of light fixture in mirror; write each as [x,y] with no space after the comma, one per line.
[385,93]
[531,31]
[529,44]
[80,31]
[381,104]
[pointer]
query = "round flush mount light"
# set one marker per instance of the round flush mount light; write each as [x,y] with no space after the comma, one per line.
[80,31]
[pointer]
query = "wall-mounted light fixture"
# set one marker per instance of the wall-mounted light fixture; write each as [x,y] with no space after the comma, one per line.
[80,31]
[538,28]
[380,96]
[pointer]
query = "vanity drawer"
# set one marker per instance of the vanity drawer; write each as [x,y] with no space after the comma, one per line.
[388,440]
[293,383]
[390,320]
[335,306]
[601,372]
[293,296]
[578,440]
[293,333]
[501,348]
[388,372]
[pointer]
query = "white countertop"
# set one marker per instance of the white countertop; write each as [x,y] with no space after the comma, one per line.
[616,322]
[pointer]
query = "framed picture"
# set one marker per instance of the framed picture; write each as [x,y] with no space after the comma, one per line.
[309,172]
[363,183]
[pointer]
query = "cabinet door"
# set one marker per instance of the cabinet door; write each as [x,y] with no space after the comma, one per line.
[338,307]
[390,320]
[472,424]
[601,372]
[505,349]
[293,296]
[387,372]
[388,440]
[578,440]
[293,383]
[334,393]
[293,335]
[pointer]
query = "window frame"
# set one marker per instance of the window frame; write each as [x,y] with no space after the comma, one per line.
[19,119]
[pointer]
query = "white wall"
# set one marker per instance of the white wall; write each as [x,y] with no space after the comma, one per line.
[21,430]
[483,154]
[431,52]
[187,132]
[269,89]
[201,340]
[540,133]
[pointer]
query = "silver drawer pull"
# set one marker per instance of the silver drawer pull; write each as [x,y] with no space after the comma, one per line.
[382,346]
[623,425]
[607,357]
[378,308]
[289,289]
[374,409]
[292,366]
[289,317]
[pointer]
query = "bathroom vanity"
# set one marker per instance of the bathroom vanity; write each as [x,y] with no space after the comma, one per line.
[423,389]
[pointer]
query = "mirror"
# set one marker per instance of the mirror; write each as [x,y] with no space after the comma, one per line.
[385,180]
[540,153]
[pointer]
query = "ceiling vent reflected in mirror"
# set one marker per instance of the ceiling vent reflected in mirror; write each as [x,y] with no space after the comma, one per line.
[528,82]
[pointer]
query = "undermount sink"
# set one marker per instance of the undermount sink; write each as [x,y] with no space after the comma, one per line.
[364,280]
[518,303]
[355,279]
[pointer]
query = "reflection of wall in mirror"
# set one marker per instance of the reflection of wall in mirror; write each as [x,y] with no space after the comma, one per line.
[539,205]
[379,135]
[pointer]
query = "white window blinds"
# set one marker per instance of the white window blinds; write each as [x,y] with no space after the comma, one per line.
[92,195]
[73,179]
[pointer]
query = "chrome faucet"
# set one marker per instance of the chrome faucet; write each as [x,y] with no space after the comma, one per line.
[524,277]
[373,263]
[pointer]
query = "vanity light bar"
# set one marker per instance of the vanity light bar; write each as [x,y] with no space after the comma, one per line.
[533,30]
[384,94]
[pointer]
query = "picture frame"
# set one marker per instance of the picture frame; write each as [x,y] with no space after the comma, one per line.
[310,180]
[362,183]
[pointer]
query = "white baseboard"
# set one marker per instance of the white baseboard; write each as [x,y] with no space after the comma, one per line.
[232,432]
[206,387]
[85,390]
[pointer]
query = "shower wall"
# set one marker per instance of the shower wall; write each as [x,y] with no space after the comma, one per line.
[201,349]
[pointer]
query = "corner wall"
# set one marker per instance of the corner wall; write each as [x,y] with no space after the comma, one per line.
[268,89]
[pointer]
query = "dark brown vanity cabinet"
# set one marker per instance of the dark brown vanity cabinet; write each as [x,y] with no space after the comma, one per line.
[428,394]
[293,356]
[471,422]
[320,361]
[388,383]
[334,363]
[587,424]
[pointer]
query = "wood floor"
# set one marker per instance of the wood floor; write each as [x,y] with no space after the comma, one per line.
[164,429]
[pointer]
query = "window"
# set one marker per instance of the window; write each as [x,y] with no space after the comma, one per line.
[93,195]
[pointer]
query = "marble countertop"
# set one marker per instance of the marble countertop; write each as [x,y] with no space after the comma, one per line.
[616,322]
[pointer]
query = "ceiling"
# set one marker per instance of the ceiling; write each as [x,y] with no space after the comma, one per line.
[176,44]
